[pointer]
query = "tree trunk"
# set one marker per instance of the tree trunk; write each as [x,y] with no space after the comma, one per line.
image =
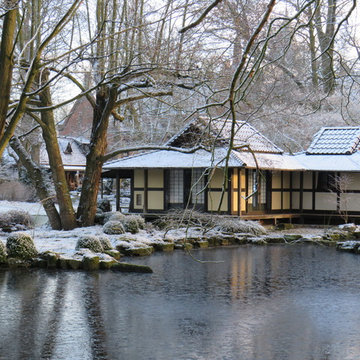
[67,214]
[39,182]
[326,42]
[105,102]
[6,61]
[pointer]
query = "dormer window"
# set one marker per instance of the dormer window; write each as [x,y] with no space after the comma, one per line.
[68,150]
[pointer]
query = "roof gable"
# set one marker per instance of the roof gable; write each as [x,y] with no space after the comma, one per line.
[75,157]
[335,141]
[203,130]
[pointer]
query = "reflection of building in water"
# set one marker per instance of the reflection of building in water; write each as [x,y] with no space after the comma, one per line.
[256,270]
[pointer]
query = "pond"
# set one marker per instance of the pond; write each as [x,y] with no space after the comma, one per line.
[275,302]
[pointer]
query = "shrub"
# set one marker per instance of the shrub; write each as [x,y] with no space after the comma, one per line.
[113,228]
[15,217]
[131,224]
[2,253]
[105,242]
[140,220]
[117,216]
[21,217]
[104,205]
[21,245]
[89,242]
[206,222]
[241,226]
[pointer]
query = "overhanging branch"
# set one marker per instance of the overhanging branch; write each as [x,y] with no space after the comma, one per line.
[153,147]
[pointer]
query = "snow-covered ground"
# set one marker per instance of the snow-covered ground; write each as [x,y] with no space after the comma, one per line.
[64,242]
[33,209]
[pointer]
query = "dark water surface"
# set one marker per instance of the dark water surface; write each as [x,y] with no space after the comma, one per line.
[275,302]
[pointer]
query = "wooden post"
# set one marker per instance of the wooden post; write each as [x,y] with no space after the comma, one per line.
[145,208]
[117,191]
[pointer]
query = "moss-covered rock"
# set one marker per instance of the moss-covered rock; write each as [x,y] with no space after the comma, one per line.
[91,262]
[106,262]
[257,241]
[292,237]
[201,244]
[74,263]
[21,246]
[3,254]
[39,263]
[139,251]
[274,239]
[113,227]
[89,242]
[51,258]
[105,242]
[166,247]
[15,263]
[113,253]
[183,246]
[349,246]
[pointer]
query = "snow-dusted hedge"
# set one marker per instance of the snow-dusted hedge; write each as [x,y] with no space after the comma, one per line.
[105,242]
[89,242]
[113,228]
[241,226]
[131,224]
[178,218]
[117,216]
[21,245]
[2,252]
[15,217]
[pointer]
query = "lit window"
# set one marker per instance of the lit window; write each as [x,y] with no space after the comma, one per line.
[197,186]
[176,186]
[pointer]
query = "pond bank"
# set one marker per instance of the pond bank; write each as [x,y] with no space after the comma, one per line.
[58,249]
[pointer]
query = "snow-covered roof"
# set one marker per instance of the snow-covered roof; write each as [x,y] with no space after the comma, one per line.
[330,162]
[270,161]
[335,140]
[175,159]
[245,134]
[219,130]
[72,154]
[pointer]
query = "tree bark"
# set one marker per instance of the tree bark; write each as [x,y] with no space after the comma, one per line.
[326,41]
[39,182]
[105,102]
[67,214]
[6,61]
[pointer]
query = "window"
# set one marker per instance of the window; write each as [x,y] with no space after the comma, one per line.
[176,186]
[253,188]
[197,187]
[326,181]
[138,200]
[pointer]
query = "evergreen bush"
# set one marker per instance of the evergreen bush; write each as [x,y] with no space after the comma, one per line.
[89,242]
[21,245]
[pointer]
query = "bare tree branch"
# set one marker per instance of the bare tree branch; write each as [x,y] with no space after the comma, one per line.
[201,17]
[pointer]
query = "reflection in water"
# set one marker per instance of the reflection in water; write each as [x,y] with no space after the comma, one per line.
[276,302]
